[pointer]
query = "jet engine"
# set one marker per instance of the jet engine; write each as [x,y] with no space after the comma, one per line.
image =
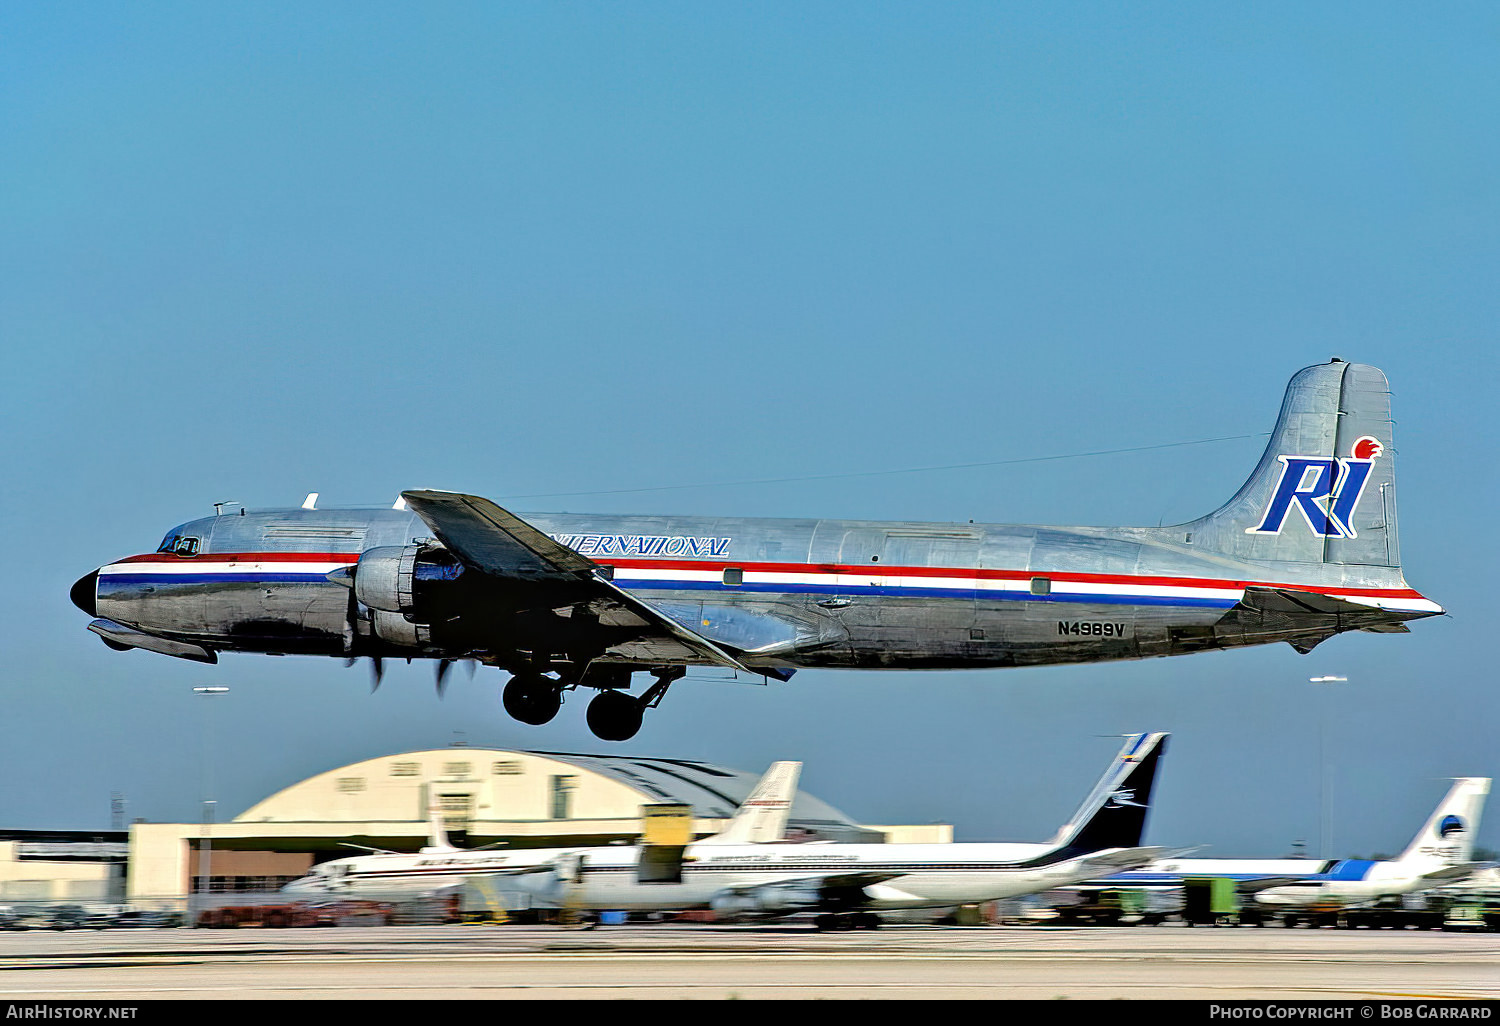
[769,899]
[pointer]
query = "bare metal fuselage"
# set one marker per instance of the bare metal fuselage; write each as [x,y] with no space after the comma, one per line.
[1306,549]
[784,593]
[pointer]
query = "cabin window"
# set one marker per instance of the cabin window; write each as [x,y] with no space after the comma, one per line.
[182,547]
[606,571]
[734,576]
[1041,586]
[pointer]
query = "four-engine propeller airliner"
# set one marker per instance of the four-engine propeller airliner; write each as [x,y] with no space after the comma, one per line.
[845,884]
[1305,550]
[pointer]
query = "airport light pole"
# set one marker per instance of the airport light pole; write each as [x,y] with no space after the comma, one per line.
[205,841]
[1325,805]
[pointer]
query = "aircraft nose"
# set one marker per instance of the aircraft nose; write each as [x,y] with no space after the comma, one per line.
[85,591]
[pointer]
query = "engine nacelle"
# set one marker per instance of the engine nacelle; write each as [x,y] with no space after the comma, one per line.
[385,578]
[400,590]
[412,580]
[398,630]
[770,899]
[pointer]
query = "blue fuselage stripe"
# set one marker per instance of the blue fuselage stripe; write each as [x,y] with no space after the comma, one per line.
[115,582]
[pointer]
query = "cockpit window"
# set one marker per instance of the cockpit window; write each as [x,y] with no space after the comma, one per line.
[179,545]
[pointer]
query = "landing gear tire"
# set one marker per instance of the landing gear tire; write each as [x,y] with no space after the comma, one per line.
[533,700]
[615,716]
[831,921]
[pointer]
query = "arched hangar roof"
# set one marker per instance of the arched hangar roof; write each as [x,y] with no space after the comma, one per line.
[500,791]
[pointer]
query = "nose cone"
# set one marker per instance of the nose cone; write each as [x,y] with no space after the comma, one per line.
[85,591]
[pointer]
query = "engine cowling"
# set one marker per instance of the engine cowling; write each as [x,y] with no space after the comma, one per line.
[399,591]
[406,579]
[385,578]
[766,900]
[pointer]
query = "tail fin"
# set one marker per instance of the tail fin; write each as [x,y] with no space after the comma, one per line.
[438,839]
[1114,813]
[762,816]
[1447,838]
[1325,489]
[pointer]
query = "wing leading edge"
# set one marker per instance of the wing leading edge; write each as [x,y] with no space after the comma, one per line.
[496,542]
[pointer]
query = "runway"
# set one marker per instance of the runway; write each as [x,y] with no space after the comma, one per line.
[771,962]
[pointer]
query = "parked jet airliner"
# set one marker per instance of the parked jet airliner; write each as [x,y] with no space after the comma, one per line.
[1305,550]
[846,884]
[1438,854]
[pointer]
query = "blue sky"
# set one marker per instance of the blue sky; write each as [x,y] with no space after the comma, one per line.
[252,251]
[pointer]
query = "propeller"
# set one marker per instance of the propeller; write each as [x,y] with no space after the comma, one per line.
[377,671]
[444,667]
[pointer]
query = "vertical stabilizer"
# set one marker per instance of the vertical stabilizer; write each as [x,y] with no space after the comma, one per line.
[1325,488]
[437,834]
[1114,814]
[1447,838]
[762,816]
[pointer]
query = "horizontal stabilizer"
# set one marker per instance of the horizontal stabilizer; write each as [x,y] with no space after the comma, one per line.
[1461,871]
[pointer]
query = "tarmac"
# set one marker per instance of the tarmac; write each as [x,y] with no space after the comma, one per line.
[715,962]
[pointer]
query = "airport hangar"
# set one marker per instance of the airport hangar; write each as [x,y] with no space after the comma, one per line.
[489,796]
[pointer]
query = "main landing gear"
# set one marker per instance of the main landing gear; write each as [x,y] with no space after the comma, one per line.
[613,715]
[532,698]
[830,921]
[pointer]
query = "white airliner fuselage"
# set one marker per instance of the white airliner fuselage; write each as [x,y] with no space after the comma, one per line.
[750,878]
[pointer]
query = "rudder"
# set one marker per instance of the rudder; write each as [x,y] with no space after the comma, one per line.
[1324,491]
[1114,813]
[1447,838]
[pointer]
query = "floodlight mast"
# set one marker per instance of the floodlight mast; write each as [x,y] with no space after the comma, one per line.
[205,843]
[1325,804]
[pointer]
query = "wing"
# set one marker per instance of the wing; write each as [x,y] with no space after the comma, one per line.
[1120,860]
[496,542]
[787,897]
[1265,883]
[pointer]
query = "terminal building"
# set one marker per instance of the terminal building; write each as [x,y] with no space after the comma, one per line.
[488,796]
